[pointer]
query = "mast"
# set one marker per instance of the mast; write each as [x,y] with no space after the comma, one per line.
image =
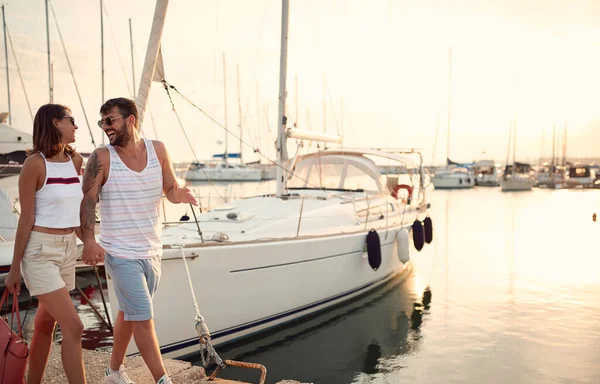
[237,70]
[514,145]
[132,61]
[553,163]
[7,75]
[564,160]
[324,104]
[260,146]
[510,126]
[342,117]
[449,103]
[102,53]
[225,155]
[281,118]
[50,84]
[152,57]
[297,110]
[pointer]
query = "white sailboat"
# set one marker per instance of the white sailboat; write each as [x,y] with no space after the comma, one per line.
[335,228]
[453,176]
[221,167]
[486,173]
[518,176]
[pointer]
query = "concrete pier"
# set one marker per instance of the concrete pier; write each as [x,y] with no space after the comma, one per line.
[181,372]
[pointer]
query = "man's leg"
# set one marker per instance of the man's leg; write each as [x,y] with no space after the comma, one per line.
[147,343]
[122,332]
[135,282]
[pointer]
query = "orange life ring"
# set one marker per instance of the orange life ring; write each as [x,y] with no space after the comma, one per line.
[398,187]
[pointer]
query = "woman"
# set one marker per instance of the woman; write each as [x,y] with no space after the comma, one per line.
[50,195]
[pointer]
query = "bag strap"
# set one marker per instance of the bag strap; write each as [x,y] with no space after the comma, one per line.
[15,309]
[4,296]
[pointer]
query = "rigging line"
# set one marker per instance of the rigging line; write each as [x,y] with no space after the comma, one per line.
[12,48]
[437,131]
[166,84]
[30,32]
[72,74]
[262,36]
[112,34]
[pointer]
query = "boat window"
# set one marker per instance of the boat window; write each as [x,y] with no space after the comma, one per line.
[336,173]
[579,172]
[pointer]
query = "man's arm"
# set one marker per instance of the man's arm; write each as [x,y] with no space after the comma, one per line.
[94,177]
[174,193]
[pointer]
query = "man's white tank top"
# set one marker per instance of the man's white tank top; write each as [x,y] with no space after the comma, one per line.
[130,225]
[58,202]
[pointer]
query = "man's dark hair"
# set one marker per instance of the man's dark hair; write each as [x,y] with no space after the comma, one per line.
[126,107]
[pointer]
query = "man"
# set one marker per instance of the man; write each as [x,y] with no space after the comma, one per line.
[129,177]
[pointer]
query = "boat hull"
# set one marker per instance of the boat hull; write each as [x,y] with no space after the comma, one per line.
[441,182]
[243,289]
[224,174]
[517,184]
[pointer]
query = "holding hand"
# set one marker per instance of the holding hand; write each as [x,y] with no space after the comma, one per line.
[93,253]
[13,281]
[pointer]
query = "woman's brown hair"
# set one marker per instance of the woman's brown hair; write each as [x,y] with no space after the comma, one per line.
[46,137]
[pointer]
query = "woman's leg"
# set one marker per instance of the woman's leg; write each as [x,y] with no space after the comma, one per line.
[59,305]
[41,343]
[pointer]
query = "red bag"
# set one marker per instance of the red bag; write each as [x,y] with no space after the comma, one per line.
[13,349]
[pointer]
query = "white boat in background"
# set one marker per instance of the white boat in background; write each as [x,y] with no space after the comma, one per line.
[517,177]
[486,173]
[454,175]
[453,178]
[580,176]
[335,228]
[221,170]
[551,176]
[13,146]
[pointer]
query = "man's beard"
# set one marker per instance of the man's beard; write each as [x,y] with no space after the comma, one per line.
[122,137]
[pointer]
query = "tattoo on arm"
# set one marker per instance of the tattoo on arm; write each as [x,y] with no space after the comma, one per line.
[88,214]
[90,176]
[92,184]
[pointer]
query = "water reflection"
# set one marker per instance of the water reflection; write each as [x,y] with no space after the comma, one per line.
[346,341]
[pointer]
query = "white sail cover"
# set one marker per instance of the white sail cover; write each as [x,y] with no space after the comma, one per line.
[153,64]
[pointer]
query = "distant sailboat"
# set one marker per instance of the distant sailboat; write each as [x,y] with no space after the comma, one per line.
[454,175]
[518,176]
[220,168]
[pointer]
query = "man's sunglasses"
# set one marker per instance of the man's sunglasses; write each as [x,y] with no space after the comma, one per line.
[109,120]
[69,117]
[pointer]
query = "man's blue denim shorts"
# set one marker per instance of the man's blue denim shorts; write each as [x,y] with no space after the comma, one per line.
[135,281]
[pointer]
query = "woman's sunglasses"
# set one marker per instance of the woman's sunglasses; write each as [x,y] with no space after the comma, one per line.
[70,118]
[109,121]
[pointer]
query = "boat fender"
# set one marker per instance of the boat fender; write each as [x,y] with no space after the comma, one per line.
[374,249]
[418,235]
[403,245]
[428,227]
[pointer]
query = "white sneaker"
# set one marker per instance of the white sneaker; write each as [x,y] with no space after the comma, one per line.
[164,380]
[117,377]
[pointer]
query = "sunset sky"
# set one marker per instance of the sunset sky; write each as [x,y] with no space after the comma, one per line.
[536,60]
